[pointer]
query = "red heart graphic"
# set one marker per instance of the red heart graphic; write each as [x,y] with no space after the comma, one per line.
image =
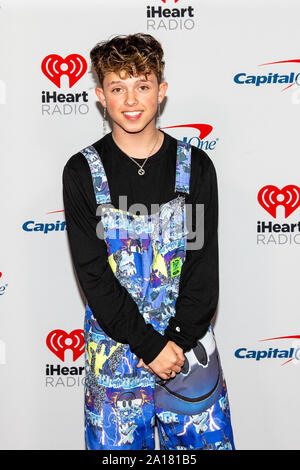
[268,199]
[54,66]
[56,342]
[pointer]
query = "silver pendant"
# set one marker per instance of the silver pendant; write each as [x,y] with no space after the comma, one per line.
[141,171]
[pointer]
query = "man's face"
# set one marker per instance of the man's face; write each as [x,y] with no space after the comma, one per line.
[131,102]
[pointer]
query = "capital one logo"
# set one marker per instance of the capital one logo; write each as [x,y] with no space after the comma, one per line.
[3,287]
[270,197]
[58,341]
[203,129]
[54,66]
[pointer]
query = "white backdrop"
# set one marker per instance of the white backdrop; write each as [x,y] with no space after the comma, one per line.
[253,143]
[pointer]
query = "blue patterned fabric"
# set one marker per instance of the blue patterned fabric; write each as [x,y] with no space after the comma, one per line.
[183,167]
[146,254]
[98,175]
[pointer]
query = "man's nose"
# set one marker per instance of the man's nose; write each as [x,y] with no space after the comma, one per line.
[131,98]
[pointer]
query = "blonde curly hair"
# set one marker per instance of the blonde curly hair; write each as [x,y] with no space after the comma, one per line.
[133,55]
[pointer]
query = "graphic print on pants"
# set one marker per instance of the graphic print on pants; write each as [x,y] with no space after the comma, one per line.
[123,402]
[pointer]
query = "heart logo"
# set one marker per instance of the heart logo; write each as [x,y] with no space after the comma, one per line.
[54,66]
[58,341]
[270,197]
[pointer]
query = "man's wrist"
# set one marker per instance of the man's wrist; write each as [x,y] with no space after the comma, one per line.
[153,343]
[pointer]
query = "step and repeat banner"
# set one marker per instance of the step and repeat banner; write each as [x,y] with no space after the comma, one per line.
[233,70]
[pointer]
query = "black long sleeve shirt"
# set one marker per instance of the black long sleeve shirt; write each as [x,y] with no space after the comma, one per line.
[112,305]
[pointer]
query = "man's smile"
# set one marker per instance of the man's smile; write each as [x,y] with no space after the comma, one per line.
[132,115]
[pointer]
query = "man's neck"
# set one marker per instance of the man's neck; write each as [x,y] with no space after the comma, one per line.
[138,145]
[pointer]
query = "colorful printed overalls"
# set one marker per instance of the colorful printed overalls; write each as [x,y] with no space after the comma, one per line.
[146,253]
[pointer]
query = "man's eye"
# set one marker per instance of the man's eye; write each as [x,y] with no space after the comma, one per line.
[116,90]
[144,87]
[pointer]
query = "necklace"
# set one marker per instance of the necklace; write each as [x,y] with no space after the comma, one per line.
[141,170]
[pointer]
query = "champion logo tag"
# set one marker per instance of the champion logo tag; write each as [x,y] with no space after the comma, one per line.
[175,266]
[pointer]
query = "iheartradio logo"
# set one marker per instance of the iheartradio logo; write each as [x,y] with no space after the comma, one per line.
[171,18]
[270,197]
[58,341]
[54,66]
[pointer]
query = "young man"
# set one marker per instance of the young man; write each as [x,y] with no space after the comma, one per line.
[150,349]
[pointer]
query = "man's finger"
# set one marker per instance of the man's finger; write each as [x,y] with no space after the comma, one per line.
[181,356]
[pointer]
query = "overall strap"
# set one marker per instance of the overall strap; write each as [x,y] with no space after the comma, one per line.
[183,167]
[100,183]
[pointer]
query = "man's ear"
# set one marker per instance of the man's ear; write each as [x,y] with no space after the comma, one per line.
[162,90]
[100,94]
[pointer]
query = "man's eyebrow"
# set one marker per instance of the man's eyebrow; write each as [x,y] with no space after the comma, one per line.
[145,80]
[114,82]
[118,82]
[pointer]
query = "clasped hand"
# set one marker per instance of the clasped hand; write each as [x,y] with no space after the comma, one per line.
[168,362]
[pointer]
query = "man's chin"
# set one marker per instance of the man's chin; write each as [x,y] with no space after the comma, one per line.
[133,127]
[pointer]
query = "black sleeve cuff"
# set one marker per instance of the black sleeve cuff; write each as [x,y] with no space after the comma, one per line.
[153,343]
[176,332]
